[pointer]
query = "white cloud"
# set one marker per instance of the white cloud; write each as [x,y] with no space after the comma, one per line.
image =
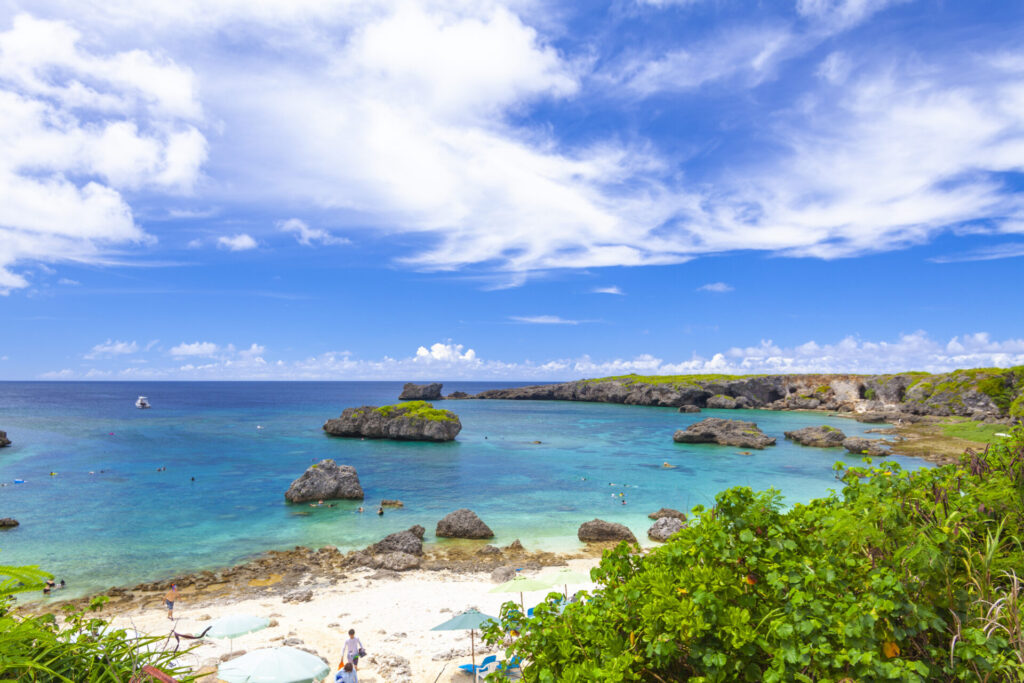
[544,320]
[992,253]
[76,128]
[447,360]
[68,282]
[719,287]
[195,349]
[112,348]
[239,242]
[614,289]
[306,236]
[840,14]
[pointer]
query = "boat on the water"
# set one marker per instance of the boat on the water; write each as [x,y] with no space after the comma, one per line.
[142,402]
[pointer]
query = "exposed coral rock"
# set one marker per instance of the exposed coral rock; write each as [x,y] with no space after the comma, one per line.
[415,421]
[421,392]
[326,480]
[598,531]
[725,432]
[820,437]
[663,528]
[463,523]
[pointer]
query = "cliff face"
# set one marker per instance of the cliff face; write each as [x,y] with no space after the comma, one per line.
[989,393]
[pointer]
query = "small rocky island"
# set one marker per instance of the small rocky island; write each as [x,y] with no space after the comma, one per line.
[4,441]
[421,392]
[823,436]
[325,480]
[725,432]
[411,421]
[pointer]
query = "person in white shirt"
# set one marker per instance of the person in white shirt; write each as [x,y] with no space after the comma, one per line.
[353,649]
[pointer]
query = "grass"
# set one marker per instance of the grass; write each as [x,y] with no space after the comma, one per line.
[974,431]
[418,410]
[677,380]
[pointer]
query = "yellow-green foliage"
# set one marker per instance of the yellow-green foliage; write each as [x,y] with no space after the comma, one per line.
[418,410]
[973,431]
[675,380]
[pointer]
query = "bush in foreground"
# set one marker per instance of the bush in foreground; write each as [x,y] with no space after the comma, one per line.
[909,576]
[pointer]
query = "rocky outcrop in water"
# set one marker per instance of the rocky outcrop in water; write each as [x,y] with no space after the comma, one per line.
[325,480]
[413,421]
[689,409]
[600,531]
[663,528]
[4,441]
[8,522]
[421,392]
[463,523]
[725,432]
[861,446]
[667,512]
[819,437]
[978,394]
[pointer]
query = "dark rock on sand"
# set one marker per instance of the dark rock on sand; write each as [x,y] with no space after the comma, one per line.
[862,446]
[598,531]
[421,392]
[820,437]
[409,542]
[689,409]
[4,441]
[463,523]
[667,512]
[408,422]
[8,523]
[722,402]
[325,481]
[663,528]
[725,432]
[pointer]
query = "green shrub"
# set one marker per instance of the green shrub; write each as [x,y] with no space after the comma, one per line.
[908,576]
[870,394]
[420,410]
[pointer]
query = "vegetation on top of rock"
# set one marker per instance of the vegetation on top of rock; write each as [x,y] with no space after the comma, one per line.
[420,410]
[675,380]
[909,576]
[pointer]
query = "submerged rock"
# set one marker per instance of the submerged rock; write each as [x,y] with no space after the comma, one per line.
[463,523]
[819,437]
[413,421]
[421,392]
[4,441]
[667,512]
[663,528]
[325,480]
[599,531]
[862,446]
[725,432]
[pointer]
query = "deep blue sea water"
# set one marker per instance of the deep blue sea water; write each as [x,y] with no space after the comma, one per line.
[127,522]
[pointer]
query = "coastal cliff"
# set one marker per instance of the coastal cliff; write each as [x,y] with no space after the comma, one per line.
[980,394]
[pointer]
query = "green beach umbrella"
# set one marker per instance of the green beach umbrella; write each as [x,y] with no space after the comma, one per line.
[234,625]
[470,620]
[565,576]
[274,665]
[520,584]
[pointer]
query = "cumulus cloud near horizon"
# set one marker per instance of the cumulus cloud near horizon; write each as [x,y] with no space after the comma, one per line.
[448,360]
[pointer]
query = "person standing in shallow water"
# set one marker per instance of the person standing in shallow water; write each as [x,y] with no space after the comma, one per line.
[169,598]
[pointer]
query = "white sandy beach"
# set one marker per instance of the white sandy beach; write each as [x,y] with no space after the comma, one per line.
[390,616]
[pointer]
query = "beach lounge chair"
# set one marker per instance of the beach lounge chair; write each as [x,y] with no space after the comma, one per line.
[470,669]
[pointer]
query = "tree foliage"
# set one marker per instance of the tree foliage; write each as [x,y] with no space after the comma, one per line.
[906,576]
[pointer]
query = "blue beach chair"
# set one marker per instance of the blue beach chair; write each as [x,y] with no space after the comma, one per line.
[470,669]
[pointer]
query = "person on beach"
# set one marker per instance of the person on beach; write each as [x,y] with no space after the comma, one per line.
[353,649]
[346,674]
[169,598]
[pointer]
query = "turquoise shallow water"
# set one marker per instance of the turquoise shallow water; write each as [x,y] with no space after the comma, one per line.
[129,522]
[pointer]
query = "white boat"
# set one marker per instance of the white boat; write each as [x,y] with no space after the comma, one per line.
[142,402]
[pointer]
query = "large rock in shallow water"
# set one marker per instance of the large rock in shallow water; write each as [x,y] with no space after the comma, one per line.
[326,480]
[862,446]
[725,432]
[663,528]
[409,542]
[8,523]
[4,441]
[820,437]
[412,421]
[599,531]
[421,392]
[463,523]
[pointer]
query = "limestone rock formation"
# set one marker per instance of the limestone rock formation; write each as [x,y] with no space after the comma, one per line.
[4,441]
[725,432]
[8,522]
[458,394]
[392,503]
[721,401]
[599,531]
[325,480]
[409,542]
[663,528]
[463,523]
[421,392]
[399,562]
[862,446]
[820,437]
[689,409]
[667,512]
[413,421]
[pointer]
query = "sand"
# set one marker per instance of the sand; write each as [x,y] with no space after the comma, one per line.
[390,616]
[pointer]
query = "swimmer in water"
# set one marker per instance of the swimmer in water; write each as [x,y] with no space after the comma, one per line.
[380,511]
[360,510]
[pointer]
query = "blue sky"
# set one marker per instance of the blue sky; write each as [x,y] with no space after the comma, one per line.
[518,190]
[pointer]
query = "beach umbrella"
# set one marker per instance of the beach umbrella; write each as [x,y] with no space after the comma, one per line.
[521,584]
[274,665]
[232,626]
[565,576]
[470,620]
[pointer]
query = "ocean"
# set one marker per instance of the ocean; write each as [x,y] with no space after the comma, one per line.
[198,481]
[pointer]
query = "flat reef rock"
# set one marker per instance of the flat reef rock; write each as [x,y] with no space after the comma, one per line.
[463,523]
[325,480]
[421,392]
[413,421]
[4,441]
[820,437]
[599,531]
[862,446]
[724,432]
[663,528]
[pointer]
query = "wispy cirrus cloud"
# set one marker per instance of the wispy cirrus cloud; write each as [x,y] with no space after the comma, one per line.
[544,320]
[613,289]
[992,253]
[112,348]
[307,236]
[717,287]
